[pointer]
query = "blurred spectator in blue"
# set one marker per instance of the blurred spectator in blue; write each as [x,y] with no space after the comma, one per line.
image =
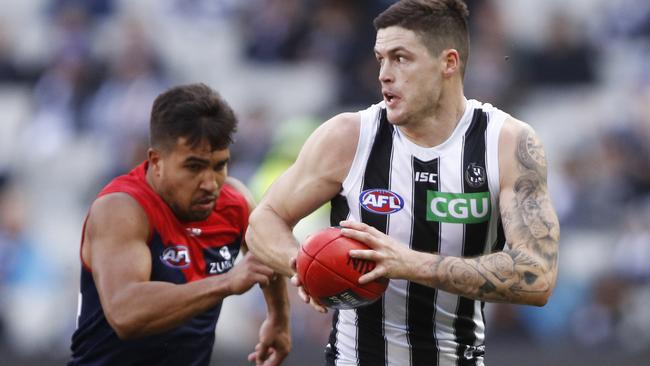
[627,154]
[9,70]
[8,251]
[275,33]
[491,74]
[24,272]
[628,19]
[340,33]
[566,58]
[331,32]
[94,8]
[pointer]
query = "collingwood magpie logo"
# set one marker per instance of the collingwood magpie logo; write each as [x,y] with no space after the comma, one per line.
[475,175]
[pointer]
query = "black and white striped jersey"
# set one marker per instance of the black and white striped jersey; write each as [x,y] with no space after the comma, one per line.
[443,200]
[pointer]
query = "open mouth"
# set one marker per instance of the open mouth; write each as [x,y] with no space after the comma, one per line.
[390,98]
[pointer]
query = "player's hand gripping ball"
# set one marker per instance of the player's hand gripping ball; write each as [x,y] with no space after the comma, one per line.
[330,275]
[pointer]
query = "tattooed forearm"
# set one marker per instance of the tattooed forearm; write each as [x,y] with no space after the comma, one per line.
[525,272]
[508,276]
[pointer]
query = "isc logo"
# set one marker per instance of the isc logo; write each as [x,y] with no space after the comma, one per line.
[176,257]
[381,201]
[425,177]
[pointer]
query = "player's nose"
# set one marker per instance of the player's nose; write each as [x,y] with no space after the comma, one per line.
[385,75]
[209,183]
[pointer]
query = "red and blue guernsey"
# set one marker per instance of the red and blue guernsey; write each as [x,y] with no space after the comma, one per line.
[180,253]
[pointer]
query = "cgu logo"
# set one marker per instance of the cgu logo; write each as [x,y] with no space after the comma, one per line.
[176,257]
[361,266]
[381,201]
[463,208]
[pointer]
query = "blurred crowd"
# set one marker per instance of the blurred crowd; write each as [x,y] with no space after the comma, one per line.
[77,79]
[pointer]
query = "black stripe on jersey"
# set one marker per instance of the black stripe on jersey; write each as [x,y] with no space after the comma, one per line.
[425,237]
[339,212]
[331,352]
[475,235]
[371,343]
[501,237]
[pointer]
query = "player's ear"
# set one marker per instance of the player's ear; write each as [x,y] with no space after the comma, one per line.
[154,156]
[450,62]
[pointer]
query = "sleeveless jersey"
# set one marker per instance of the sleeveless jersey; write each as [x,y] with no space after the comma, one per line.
[442,200]
[180,253]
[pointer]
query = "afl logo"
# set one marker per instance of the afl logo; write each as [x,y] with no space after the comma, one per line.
[381,201]
[176,257]
[475,175]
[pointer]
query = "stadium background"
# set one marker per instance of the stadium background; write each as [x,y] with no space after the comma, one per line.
[77,79]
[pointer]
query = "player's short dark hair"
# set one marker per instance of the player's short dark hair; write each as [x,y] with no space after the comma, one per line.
[441,24]
[194,112]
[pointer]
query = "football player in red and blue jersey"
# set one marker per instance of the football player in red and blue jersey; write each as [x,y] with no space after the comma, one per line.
[159,245]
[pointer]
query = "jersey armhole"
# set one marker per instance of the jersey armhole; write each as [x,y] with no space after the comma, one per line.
[367,124]
[84,265]
[493,134]
[141,203]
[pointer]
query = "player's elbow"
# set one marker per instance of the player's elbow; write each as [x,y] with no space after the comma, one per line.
[124,326]
[541,298]
[256,221]
[253,222]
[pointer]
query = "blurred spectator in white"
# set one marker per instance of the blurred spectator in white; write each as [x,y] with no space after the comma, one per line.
[64,87]
[119,111]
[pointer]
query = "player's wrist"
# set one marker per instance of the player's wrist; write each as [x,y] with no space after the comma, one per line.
[224,285]
[422,267]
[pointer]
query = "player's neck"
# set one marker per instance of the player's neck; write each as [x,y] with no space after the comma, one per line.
[438,125]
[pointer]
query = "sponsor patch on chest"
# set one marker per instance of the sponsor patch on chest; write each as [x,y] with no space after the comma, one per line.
[220,260]
[462,208]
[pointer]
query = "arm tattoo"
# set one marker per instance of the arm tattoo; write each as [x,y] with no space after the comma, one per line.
[527,268]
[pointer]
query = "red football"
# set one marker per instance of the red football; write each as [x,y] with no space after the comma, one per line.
[330,275]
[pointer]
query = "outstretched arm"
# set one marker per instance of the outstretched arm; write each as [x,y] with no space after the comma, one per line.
[274,335]
[524,272]
[314,179]
[115,248]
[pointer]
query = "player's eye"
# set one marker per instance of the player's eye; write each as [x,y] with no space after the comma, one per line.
[194,167]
